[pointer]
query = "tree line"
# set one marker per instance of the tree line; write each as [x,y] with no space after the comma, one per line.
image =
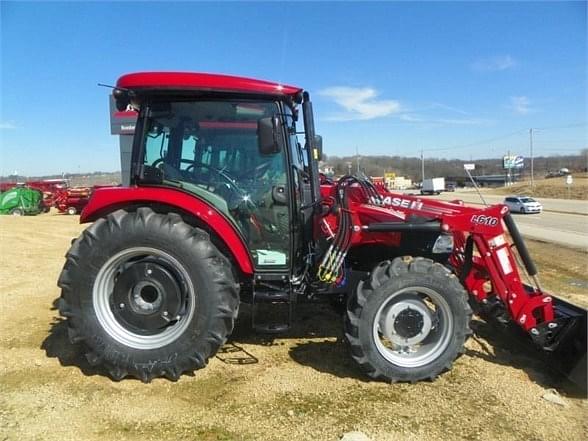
[410,167]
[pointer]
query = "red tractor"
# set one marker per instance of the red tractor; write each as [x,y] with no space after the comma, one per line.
[227,206]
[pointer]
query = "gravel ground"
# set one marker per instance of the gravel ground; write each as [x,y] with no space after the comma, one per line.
[297,387]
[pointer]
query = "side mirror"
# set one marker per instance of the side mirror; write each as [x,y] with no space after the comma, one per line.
[318,147]
[121,99]
[270,135]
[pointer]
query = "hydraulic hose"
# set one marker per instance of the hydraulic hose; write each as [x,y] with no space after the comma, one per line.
[520,244]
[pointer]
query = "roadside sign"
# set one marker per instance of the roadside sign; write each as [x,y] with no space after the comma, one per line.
[569,180]
[513,161]
[469,166]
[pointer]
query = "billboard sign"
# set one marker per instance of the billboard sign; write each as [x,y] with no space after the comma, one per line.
[512,161]
[469,167]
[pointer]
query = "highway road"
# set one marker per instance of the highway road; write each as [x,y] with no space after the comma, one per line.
[559,205]
[565,222]
[565,229]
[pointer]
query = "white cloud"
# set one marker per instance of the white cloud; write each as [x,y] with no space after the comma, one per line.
[438,114]
[520,105]
[7,125]
[411,118]
[433,121]
[464,121]
[359,103]
[495,63]
[448,108]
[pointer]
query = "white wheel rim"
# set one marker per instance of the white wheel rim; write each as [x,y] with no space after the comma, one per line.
[102,291]
[419,350]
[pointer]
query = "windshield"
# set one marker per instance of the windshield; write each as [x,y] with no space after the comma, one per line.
[210,149]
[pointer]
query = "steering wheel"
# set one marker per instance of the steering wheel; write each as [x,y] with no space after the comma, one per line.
[228,179]
[235,197]
[157,164]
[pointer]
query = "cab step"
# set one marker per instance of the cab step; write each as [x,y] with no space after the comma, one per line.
[272,309]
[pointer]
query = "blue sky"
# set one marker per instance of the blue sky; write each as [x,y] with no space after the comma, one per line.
[459,80]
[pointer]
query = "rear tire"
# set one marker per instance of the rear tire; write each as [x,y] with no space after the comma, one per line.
[17,212]
[408,321]
[123,275]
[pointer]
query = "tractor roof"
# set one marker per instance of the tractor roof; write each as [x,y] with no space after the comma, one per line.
[206,82]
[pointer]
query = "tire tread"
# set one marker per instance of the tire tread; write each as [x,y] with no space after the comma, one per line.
[378,279]
[226,289]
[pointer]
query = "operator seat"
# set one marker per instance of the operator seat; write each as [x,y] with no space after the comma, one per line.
[170,172]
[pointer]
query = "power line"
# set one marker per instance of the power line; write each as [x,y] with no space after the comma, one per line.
[569,126]
[532,159]
[486,141]
[506,135]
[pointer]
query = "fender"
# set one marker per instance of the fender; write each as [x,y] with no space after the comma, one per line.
[106,200]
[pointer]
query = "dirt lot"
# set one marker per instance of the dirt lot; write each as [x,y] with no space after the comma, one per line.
[298,387]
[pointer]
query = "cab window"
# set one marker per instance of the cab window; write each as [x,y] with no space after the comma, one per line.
[210,148]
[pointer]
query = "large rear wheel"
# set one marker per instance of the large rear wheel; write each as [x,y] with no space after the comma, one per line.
[408,321]
[147,294]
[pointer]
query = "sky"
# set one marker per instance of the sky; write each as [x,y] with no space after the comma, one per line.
[453,79]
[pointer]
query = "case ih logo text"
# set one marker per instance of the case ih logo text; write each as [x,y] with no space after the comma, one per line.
[480,219]
[397,202]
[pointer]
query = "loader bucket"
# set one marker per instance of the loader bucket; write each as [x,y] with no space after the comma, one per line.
[565,338]
[564,348]
[569,346]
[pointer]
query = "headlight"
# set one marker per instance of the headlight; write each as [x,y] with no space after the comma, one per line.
[443,244]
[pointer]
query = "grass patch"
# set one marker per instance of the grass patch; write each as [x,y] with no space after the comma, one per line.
[166,430]
[562,270]
[554,188]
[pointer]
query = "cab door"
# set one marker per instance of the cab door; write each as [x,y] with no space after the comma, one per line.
[300,202]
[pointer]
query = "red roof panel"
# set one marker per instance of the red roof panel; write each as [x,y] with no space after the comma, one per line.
[204,81]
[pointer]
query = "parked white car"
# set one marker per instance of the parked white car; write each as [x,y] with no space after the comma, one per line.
[523,204]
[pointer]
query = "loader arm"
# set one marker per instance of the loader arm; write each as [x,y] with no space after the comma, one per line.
[486,254]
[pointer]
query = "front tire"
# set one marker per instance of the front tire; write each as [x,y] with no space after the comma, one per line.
[409,321]
[148,295]
[17,212]
[72,210]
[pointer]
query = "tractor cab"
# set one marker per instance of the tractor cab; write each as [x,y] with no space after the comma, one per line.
[233,143]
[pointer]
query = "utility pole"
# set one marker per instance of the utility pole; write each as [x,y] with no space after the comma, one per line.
[357,154]
[422,167]
[508,170]
[531,148]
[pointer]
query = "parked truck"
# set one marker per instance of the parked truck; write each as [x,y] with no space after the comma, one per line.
[433,186]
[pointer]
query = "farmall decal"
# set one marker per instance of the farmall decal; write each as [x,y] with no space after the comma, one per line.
[481,219]
[397,202]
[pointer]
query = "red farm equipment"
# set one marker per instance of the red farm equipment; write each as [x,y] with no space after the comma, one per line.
[226,206]
[72,200]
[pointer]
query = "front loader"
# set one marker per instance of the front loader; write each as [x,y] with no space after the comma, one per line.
[227,207]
